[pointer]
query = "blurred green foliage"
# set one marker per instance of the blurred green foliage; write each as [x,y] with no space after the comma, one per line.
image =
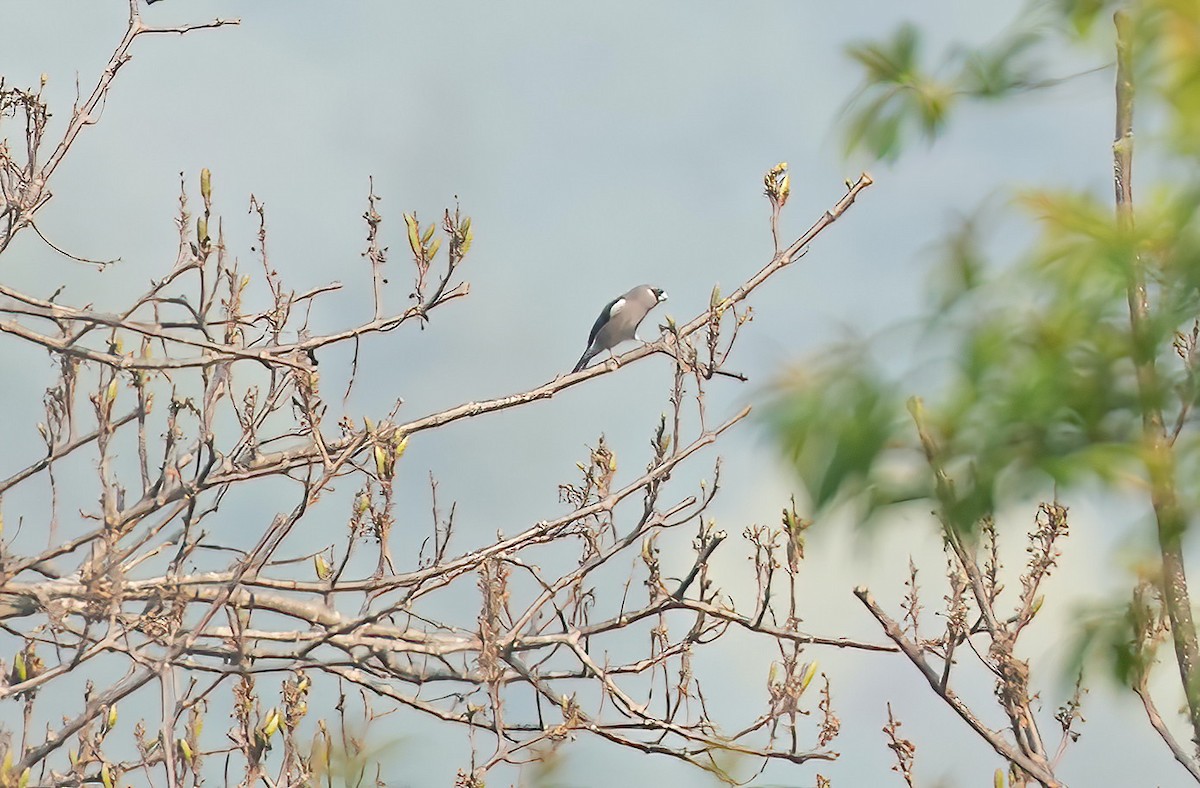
[1125,636]
[1040,375]
[835,423]
[898,93]
[902,95]
[1039,380]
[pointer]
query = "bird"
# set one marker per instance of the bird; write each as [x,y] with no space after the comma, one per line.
[619,320]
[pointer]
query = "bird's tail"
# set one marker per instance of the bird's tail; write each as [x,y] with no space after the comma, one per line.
[583,360]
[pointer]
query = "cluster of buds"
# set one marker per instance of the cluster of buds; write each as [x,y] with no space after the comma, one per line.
[795,526]
[776,185]
[424,246]
[387,451]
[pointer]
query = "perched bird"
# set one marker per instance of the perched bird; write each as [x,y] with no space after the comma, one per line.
[619,320]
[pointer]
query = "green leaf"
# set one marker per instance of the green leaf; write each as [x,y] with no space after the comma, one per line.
[893,61]
[999,70]
[898,94]
[834,426]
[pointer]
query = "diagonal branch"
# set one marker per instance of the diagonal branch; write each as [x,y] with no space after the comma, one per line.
[1160,727]
[1036,766]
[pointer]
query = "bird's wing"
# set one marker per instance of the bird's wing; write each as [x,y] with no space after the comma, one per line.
[606,314]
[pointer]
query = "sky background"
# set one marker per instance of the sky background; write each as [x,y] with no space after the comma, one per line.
[596,146]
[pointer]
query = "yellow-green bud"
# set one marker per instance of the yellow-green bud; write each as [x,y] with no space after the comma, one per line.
[272,723]
[414,229]
[808,675]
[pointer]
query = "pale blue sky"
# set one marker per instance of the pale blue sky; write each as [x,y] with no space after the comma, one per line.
[597,146]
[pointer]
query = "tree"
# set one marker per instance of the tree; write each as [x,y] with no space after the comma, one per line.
[1065,373]
[199,393]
